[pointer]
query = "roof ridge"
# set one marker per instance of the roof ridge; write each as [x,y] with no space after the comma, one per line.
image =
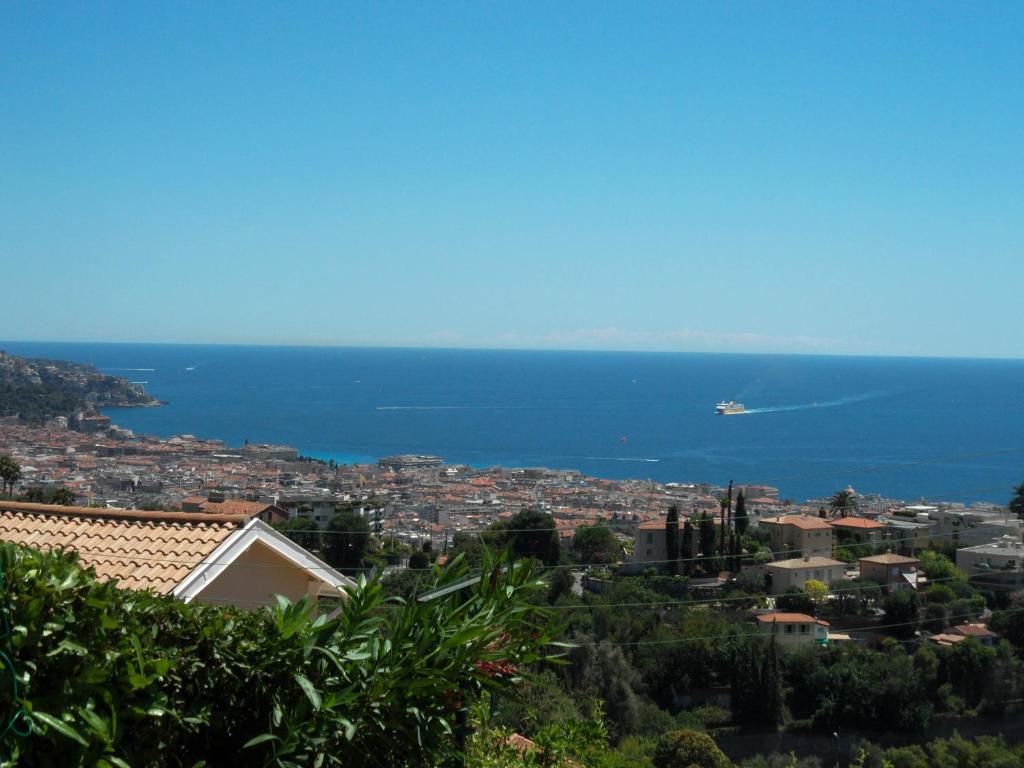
[124,514]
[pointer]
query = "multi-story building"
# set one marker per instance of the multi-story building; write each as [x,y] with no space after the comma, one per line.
[857,530]
[998,564]
[791,629]
[970,527]
[650,547]
[798,535]
[890,570]
[796,572]
[906,536]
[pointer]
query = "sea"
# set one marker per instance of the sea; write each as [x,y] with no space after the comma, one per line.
[908,428]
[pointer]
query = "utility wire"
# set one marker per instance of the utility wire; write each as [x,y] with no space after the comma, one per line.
[744,635]
[103,553]
[852,506]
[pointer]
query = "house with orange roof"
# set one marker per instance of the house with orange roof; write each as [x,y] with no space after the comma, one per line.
[218,505]
[892,571]
[793,629]
[796,572]
[803,535]
[856,530]
[650,547]
[977,631]
[229,559]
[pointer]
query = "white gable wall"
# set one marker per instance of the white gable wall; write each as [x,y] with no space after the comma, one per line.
[254,577]
[254,564]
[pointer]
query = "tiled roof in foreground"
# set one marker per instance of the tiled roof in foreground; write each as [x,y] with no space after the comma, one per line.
[142,550]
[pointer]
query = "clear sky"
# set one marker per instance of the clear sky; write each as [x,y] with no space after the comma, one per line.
[827,177]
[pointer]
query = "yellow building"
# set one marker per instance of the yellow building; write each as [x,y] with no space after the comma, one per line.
[791,535]
[798,571]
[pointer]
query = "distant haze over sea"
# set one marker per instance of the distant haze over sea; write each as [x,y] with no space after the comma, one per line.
[816,424]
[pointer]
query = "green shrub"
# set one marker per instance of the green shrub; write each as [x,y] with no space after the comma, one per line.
[681,749]
[115,677]
[939,593]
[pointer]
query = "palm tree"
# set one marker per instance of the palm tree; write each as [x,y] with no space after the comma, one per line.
[843,502]
[62,496]
[10,473]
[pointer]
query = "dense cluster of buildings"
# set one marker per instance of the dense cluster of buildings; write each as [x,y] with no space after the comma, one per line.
[415,499]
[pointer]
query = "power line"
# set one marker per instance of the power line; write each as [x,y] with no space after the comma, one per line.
[727,598]
[744,635]
[99,554]
[500,531]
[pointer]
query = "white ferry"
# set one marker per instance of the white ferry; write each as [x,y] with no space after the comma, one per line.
[729,408]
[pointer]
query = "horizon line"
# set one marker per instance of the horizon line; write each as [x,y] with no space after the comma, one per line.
[485,348]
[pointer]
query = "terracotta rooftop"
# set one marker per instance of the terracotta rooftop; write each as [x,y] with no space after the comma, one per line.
[657,525]
[856,522]
[947,640]
[972,630]
[804,522]
[141,550]
[235,507]
[889,558]
[790,618]
[798,563]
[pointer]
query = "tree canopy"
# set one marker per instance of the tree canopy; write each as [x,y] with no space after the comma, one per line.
[530,533]
[596,544]
[346,540]
[303,531]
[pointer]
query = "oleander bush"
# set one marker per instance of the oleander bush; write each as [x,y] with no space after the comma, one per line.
[97,675]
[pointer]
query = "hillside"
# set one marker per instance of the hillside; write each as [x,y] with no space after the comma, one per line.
[35,390]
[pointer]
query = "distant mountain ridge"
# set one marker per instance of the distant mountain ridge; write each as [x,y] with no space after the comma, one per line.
[35,389]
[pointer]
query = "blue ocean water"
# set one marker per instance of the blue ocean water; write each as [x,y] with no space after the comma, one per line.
[816,424]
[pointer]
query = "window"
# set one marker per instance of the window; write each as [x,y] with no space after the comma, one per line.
[803,629]
[650,538]
[789,629]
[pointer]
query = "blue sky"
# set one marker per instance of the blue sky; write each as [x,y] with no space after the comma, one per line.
[792,177]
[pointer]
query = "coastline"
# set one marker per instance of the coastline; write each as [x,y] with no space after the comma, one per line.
[519,409]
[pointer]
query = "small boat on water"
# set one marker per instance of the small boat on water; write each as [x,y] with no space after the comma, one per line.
[729,408]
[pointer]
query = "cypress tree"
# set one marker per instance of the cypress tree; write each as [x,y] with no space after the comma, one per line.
[757,695]
[672,539]
[687,550]
[706,525]
[740,518]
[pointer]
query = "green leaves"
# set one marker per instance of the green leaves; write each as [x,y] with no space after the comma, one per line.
[311,692]
[49,721]
[141,679]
